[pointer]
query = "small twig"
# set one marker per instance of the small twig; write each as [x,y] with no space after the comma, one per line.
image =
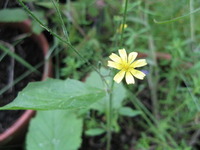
[6,4]
[11,66]
[20,37]
[124,22]
[192,25]
[153,77]
[62,40]
[74,22]
[2,56]
[195,138]
[56,5]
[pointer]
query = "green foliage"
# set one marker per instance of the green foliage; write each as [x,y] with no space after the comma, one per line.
[13,15]
[127,111]
[94,132]
[36,28]
[173,85]
[119,92]
[54,130]
[56,94]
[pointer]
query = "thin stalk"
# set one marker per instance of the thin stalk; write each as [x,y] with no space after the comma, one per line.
[21,77]
[124,22]
[2,56]
[5,48]
[62,40]
[26,74]
[11,70]
[109,117]
[177,18]
[153,76]
[108,89]
[69,12]
[192,30]
[152,121]
[57,65]
[61,20]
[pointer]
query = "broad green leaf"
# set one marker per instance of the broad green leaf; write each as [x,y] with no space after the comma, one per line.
[13,15]
[95,131]
[119,91]
[56,94]
[54,130]
[127,111]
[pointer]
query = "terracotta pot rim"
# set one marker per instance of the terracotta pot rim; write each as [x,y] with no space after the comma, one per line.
[25,26]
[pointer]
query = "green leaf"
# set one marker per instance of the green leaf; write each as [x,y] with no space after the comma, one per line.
[36,27]
[119,92]
[54,130]
[95,131]
[13,15]
[56,94]
[48,5]
[127,111]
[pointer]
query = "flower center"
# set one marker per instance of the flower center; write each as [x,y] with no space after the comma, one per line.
[126,67]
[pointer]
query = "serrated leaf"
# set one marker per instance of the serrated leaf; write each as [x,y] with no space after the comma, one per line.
[13,15]
[95,131]
[129,112]
[119,92]
[54,130]
[56,94]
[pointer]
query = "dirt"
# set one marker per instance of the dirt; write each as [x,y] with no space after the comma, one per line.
[126,138]
[10,70]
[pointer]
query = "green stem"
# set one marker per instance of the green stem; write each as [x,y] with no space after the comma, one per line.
[192,31]
[61,20]
[153,76]
[62,40]
[124,22]
[57,65]
[109,117]
[108,89]
[4,47]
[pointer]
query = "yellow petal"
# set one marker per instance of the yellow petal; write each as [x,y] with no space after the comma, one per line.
[138,74]
[119,76]
[129,78]
[114,65]
[123,55]
[115,58]
[139,63]
[132,56]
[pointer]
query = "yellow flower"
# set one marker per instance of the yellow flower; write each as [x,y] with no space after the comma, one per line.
[119,30]
[126,65]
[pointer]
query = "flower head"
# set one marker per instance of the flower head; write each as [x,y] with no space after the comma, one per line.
[126,65]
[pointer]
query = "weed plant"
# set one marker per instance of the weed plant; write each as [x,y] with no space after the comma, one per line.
[158,113]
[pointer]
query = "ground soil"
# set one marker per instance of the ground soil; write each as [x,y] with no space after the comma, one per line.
[10,70]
